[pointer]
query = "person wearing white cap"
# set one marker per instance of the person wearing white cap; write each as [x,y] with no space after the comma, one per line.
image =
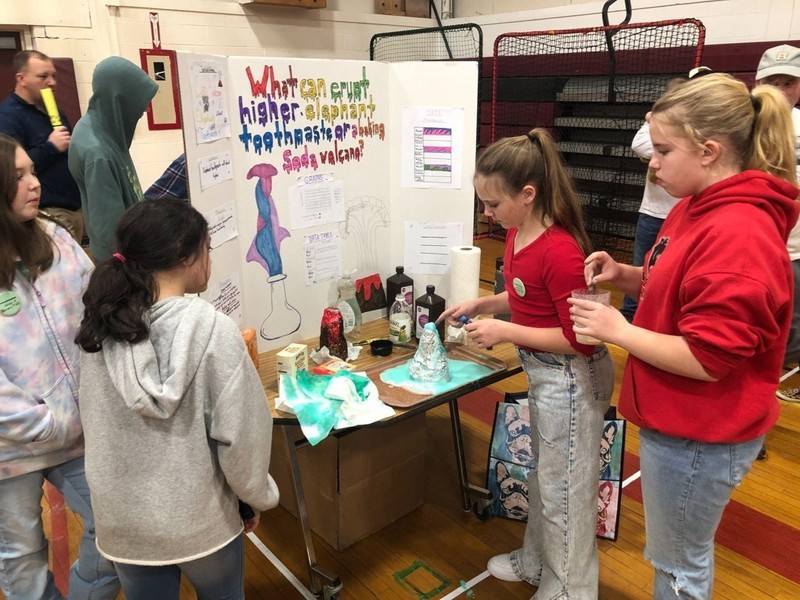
[780,67]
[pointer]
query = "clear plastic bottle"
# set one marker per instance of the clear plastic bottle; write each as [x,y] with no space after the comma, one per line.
[347,303]
[400,321]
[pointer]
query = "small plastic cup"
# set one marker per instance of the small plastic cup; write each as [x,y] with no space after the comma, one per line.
[381,347]
[595,295]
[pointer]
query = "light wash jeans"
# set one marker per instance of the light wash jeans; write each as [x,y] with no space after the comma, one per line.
[23,548]
[568,397]
[218,576]
[647,228]
[685,486]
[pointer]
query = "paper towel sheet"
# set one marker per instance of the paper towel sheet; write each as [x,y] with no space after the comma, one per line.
[465,269]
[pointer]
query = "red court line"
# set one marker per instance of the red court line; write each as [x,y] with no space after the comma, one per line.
[753,535]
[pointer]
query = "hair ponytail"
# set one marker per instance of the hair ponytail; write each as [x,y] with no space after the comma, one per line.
[534,159]
[153,236]
[756,127]
[115,301]
[559,199]
[773,146]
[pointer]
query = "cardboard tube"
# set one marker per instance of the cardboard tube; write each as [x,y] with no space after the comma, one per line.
[49,100]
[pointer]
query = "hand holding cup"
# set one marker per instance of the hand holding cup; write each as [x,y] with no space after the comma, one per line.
[593,295]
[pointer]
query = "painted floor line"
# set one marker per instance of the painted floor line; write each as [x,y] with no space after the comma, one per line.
[631,479]
[290,577]
[788,374]
[467,586]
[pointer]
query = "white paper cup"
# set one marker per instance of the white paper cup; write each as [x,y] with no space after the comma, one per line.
[596,295]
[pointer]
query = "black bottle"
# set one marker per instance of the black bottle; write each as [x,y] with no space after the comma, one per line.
[427,309]
[400,283]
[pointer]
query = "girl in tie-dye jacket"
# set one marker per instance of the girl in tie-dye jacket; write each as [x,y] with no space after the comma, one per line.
[39,422]
[42,276]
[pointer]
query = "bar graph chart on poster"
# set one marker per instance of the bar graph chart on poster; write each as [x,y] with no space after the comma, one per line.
[431,146]
[433,154]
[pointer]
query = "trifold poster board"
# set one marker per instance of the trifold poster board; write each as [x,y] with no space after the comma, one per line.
[309,168]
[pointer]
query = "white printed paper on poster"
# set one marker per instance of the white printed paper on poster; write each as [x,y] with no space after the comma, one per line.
[208,100]
[316,201]
[221,224]
[215,169]
[427,246]
[226,296]
[323,256]
[431,147]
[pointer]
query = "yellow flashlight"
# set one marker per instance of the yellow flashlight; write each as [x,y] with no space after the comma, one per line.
[49,100]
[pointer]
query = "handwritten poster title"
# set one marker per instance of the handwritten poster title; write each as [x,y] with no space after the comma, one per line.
[312,121]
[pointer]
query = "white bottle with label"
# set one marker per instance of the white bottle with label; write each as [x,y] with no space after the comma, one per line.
[400,321]
[347,303]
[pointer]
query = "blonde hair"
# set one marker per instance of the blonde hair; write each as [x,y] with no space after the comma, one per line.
[533,159]
[757,127]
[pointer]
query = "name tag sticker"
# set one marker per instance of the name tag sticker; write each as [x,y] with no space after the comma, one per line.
[519,287]
[9,303]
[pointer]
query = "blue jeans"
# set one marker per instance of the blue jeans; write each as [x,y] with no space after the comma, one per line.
[647,228]
[685,486]
[568,397]
[218,576]
[23,547]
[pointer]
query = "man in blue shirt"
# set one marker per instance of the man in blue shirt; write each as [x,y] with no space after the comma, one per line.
[23,117]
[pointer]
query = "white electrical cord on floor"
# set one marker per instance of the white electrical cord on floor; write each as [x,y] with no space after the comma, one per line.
[475,580]
[304,591]
[465,587]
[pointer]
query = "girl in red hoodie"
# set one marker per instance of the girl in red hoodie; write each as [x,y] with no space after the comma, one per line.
[705,348]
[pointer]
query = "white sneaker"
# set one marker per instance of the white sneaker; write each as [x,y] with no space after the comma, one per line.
[499,567]
[789,395]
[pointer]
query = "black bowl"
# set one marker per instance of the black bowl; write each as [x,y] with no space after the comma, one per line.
[381,347]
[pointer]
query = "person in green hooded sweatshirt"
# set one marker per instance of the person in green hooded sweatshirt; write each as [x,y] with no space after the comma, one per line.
[99,154]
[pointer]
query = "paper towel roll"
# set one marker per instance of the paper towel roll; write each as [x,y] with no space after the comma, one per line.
[465,271]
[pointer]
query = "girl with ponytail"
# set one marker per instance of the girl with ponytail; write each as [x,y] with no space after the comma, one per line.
[175,418]
[524,185]
[705,348]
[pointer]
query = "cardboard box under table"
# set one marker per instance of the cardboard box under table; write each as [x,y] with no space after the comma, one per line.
[355,482]
[359,480]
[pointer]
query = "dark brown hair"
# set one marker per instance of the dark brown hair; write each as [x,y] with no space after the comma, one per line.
[533,159]
[152,236]
[27,241]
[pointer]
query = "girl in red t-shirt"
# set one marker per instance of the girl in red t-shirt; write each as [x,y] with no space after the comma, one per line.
[524,185]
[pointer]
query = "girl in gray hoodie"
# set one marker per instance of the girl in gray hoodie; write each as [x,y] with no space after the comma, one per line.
[175,418]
